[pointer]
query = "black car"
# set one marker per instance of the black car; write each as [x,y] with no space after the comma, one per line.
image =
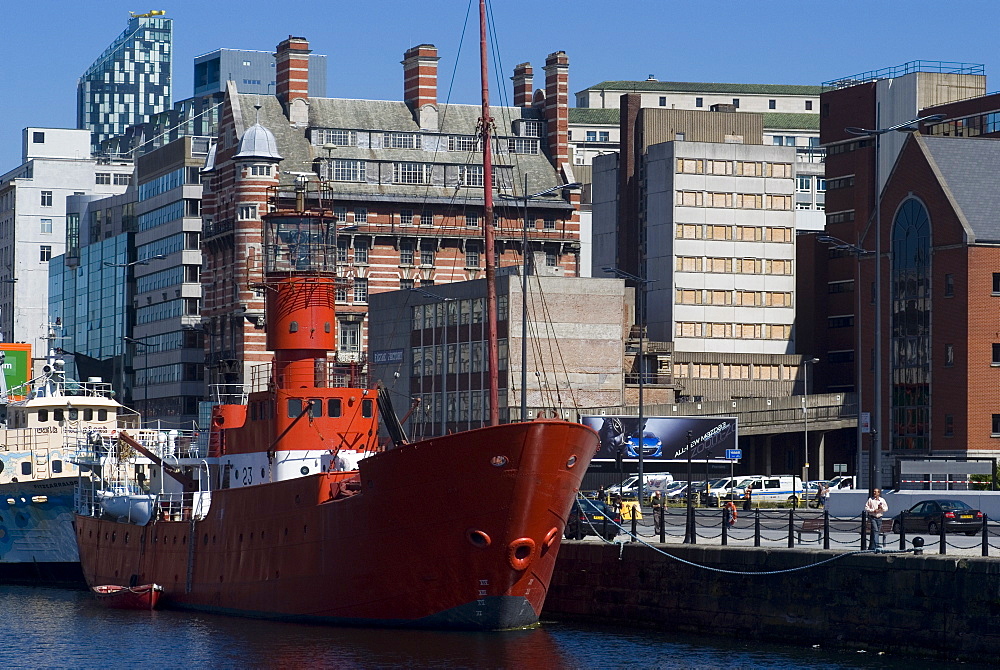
[927,516]
[593,517]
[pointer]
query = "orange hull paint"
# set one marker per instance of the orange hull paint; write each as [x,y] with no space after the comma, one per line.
[459,531]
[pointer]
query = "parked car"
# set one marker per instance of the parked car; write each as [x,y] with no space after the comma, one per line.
[927,516]
[675,490]
[653,482]
[776,488]
[593,517]
[841,483]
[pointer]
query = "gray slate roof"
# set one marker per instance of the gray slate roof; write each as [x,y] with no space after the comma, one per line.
[702,87]
[969,168]
[380,115]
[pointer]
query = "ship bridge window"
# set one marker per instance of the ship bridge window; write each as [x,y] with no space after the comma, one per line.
[57,415]
[366,408]
[102,415]
[88,415]
[333,407]
[294,407]
[25,467]
[56,466]
[43,415]
[317,407]
[74,414]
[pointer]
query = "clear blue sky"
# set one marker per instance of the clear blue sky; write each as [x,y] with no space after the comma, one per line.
[46,45]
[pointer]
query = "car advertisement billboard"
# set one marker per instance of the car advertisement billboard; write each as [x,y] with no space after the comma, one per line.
[16,366]
[664,438]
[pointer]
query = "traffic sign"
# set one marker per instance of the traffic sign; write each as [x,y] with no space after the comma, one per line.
[734,454]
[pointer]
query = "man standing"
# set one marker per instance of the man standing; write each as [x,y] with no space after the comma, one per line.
[876,507]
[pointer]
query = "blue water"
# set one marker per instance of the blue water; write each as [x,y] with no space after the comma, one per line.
[53,628]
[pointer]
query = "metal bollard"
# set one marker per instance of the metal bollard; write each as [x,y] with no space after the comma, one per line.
[725,528]
[756,527]
[864,529]
[634,529]
[663,524]
[986,536]
[902,530]
[791,527]
[943,539]
[694,527]
[826,528]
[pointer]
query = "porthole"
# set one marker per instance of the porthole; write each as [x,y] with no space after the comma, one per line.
[571,462]
[304,469]
[498,461]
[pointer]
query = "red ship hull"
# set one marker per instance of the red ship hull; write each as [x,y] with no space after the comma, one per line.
[460,531]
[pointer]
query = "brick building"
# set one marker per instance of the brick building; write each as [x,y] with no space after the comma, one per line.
[403,178]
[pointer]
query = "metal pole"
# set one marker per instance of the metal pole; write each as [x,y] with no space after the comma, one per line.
[641,319]
[444,369]
[876,456]
[688,535]
[524,306]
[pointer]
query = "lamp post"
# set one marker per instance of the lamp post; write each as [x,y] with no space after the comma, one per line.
[689,517]
[858,252]
[640,321]
[444,354]
[125,325]
[805,420]
[876,448]
[526,261]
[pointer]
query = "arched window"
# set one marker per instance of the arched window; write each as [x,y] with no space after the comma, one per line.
[910,336]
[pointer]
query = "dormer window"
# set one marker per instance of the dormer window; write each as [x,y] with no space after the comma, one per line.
[338,137]
[530,128]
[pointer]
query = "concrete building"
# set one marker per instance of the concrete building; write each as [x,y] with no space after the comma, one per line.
[56,164]
[430,347]
[128,82]
[403,178]
[251,71]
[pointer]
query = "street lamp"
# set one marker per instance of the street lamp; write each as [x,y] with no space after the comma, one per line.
[640,321]
[805,420]
[858,252]
[444,354]
[125,330]
[906,126]
[524,286]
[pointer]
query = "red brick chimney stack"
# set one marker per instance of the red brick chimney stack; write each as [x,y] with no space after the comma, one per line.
[420,76]
[522,85]
[557,105]
[292,69]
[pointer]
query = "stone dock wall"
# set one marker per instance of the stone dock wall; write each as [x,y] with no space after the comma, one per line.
[945,606]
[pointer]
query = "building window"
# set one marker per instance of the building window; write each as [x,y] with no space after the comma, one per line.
[340,290]
[406,253]
[470,175]
[248,212]
[46,198]
[663,101]
[472,256]
[949,355]
[699,102]
[427,254]
[349,336]
[949,425]
[405,284]
[348,170]
[122,179]
[462,143]
[46,228]
[591,135]
[603,136]
[411,173]
[472,220]
[258,171]
[45,253]
[400,141]
[38,138]
[531,128]
[340,138]
[360,289]
[949,285]
[736,103]
[102,178]
[342,250]
[548,223]
[427,218]
[820,185]
[360,215]
[995,432]
[996,354]
[803,183]
[406,217]
[523,145]
[996,283]
[360,251]
[772,104]
[550,259]
[340,214]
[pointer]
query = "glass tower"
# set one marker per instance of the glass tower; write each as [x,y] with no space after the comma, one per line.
[129,81]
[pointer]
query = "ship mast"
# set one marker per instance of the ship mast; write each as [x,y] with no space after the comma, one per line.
[491,270]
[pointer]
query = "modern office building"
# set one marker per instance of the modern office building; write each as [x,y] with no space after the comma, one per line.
[251,71]
[56,165]
[130,81]
[403,178]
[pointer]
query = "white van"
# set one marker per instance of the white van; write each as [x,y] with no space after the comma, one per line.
[775,488]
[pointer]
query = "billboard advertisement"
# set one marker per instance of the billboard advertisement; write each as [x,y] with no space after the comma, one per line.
[664,438]
[16,365]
